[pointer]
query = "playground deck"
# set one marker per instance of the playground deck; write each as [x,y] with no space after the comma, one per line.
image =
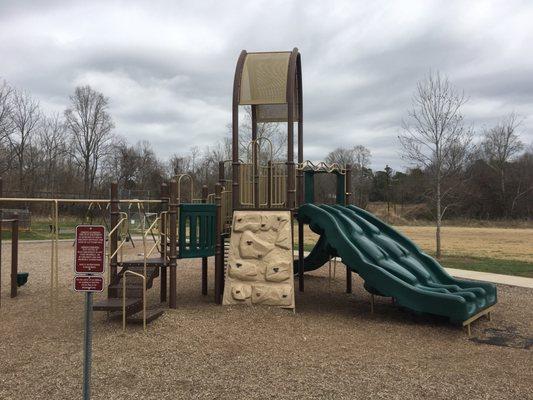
[331,348]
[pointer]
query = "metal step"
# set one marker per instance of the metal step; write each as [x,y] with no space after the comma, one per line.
[112,304]
[151,314]
[150,263]
[133,289]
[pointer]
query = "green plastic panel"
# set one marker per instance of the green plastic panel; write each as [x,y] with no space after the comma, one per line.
[309,187]
[196,230]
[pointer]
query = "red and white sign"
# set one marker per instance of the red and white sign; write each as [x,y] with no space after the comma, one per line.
[88,283]
[90,249]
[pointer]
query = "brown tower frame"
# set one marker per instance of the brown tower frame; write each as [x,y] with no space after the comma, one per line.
[293,98]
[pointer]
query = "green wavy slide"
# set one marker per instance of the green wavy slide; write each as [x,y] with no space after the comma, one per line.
[390,263]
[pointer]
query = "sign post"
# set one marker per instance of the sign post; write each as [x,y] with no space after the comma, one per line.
[89,267]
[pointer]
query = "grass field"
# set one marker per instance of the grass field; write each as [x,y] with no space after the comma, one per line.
[496,250]
[490,249]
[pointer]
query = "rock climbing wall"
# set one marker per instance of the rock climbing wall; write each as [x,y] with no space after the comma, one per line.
[260,259]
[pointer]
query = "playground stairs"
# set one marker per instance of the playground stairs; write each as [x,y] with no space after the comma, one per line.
[134,291]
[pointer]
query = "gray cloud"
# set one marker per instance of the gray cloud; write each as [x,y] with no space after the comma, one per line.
[168,67]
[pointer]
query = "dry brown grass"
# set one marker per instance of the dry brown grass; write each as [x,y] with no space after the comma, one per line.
[500,243]
[331,348]
[510,244]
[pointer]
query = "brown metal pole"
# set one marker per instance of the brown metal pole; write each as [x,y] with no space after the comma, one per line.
[14,255]
[219,256]
[291,81]
[269,184]
[348,187]
[1,216]
[235,130]
[255,154]
[173,206]
[300,129]
[347,200]
[113,220]
[221,173]
[204,259]
[164,242]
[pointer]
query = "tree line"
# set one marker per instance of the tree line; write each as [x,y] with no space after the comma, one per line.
[453,170]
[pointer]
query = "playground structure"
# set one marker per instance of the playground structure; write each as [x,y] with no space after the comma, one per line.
[256,189]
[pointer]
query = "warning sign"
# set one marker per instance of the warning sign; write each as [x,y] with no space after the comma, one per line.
[88,283]
[90,249]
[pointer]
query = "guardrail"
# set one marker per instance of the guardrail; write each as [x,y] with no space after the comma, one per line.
[122,221]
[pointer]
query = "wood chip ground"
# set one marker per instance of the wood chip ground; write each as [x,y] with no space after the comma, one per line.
[332,348]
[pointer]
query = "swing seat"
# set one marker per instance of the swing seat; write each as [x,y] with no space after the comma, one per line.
[22,278]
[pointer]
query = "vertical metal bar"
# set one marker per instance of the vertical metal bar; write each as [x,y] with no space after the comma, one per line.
[1,216]
[269,184]
[299,94]
[291,81]
[87,348]
[219,259]
[124,300]
[348,186]
[164,242]
[56,246]
[52,257]
[347,200]
[113,218]
[329,274]
[173,244]
[235,129]
[143,226]
[255,155]
[204,259]
[301,266]
[222,182]
[14,256]
[144,299]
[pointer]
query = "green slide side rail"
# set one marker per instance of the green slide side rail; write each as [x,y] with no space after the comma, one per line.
[196,230]
[391,264]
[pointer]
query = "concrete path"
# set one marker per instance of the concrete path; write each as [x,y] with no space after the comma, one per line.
[481,276]
[489,277]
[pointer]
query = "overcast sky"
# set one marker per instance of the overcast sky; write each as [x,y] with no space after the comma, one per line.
[168,66]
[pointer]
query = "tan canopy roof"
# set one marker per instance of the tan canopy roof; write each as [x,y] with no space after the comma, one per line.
[264,78]
[264,84]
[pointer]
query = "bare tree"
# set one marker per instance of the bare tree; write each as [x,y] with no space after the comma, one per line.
[359,158]
[271,131]
[89,124]
[52,142]
[435,137]
[6,125]
[500,146]
[25,118]
[361,162]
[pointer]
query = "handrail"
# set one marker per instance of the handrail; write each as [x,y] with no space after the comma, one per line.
[163,216]
[122,241]
[50,200]
[145,234]
[179,178]
[308,165]
[124,297]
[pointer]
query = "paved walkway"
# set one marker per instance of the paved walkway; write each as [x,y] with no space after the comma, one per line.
[494,278]
[482,276]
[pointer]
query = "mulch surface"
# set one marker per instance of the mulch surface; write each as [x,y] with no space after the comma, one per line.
[331,348]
